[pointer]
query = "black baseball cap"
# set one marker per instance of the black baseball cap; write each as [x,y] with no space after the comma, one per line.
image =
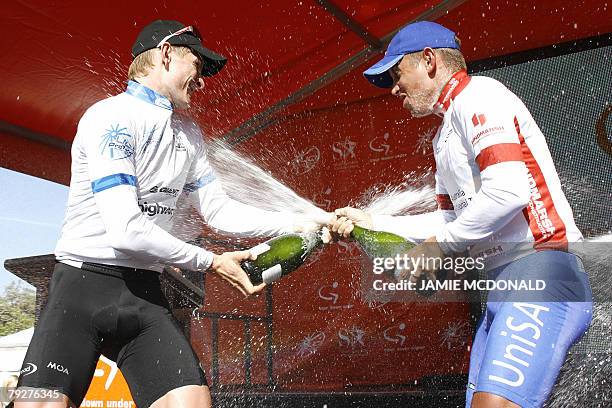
[176,33]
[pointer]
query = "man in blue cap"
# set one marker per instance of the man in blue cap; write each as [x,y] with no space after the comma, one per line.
[497,191]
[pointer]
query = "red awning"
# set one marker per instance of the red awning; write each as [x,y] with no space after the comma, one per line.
[285,57]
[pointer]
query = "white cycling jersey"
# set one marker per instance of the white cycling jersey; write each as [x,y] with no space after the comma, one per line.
[496,182]
[132,158]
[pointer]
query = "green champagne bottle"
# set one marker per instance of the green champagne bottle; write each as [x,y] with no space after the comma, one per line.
[382,244]
[280,256]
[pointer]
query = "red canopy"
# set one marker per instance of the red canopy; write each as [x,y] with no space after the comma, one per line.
[292,97]
[285,57]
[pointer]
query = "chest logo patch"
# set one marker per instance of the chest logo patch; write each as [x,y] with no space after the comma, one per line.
[479,119]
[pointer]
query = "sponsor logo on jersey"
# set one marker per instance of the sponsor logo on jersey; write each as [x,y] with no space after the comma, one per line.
[166,190]
[28,369]
[538,209]
[479,119]
[116,143]
[453,83]
[494,251]
[522,344]
[487,132]
[58,367]
[179,145]
[152,209]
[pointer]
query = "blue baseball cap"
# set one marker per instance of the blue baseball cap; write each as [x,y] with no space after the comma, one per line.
[412,38]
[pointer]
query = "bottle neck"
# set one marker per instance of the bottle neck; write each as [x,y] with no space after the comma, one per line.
[313,239]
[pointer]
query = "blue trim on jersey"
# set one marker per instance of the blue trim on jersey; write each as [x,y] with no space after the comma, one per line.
[199,183]
[148,95]
[112,181]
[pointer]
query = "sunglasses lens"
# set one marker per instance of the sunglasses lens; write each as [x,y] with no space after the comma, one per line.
[195,32]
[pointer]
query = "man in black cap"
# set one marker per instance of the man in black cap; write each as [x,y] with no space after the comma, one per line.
[132,157]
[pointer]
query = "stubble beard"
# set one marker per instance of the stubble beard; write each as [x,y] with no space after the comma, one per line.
[425,101]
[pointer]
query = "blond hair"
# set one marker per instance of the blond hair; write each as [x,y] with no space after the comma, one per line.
[144,61]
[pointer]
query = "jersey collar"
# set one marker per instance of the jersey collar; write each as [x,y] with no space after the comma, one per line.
[148,95]
[453,87]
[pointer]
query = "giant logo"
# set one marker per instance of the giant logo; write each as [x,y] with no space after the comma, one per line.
[165,190]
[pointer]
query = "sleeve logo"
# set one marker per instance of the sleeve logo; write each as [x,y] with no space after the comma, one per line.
[117,143]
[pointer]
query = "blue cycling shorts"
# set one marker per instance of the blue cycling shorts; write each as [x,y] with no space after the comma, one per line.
[521,343]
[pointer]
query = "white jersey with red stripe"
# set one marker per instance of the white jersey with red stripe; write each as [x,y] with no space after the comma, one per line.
[496,182]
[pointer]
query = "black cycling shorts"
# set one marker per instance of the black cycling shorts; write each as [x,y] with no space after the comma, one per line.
[122,314]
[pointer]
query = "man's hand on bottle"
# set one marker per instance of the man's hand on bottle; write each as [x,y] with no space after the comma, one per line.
[347,217]
[227,266]
[428,249]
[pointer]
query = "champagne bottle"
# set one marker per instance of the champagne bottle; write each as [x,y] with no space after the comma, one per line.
[382,244]
[280,256]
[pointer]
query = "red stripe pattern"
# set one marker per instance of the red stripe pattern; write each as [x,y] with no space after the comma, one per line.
[453,87]
[544,222]
[444,202]
[498,153]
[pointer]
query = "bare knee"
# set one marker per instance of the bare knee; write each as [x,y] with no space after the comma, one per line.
[185,397]
[488,400]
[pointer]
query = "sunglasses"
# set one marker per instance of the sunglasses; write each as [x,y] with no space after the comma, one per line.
[187,29]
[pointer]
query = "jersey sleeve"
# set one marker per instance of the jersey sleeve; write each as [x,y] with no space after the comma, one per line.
[417,228]
[489,133]
[109,144]
[206,194]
